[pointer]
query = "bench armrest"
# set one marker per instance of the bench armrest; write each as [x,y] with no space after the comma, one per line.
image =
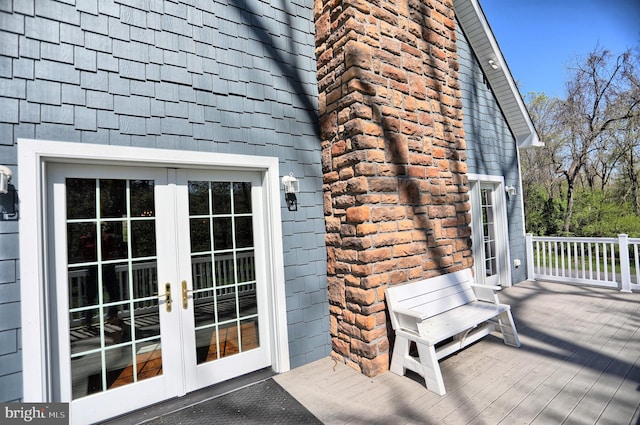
[486,293]
[408,319]
[411,313]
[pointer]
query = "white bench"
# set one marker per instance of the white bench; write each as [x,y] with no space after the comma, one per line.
[449,309]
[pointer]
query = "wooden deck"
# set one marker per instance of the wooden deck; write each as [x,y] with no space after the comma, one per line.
[579,364]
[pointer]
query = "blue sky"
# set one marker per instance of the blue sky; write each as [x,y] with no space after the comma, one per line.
[541,38]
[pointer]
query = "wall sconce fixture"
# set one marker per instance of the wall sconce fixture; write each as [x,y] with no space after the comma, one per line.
[8,199]
[493,64]
[511,191]
[5,178]
[291,187]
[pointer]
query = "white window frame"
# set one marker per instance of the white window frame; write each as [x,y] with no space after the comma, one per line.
[33,157]
[502,231]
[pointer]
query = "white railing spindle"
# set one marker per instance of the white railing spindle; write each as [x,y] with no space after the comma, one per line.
[610,262]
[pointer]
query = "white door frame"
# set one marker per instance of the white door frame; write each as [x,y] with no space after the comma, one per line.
[502,232]
[33,157]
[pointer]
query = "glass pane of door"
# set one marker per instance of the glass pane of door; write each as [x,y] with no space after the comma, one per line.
[114,321]
[222,268]
[489,231]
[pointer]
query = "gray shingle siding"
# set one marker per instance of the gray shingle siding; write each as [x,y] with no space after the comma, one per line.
[491,147]
[208,76]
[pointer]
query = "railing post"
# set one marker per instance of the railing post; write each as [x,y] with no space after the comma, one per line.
[528,242]
[625,270]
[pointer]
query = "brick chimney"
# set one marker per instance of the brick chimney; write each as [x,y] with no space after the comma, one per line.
[395,188]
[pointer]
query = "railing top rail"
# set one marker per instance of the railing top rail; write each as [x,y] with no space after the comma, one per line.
[574,239]
[616,266]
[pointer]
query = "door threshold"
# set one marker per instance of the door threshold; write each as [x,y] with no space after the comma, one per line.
[171,405]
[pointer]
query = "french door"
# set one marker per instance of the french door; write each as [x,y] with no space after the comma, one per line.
[158,281]
[490,235]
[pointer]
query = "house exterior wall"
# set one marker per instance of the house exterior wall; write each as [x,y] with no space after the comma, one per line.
[491,147]
[230,76]
[395,186]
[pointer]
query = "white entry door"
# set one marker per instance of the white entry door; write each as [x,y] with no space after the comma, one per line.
[490,233]
[158,282]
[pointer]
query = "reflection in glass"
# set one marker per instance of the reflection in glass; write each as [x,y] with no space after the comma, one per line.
[77,279]
[149,360]
[242,198]
[147,318]
[118,363]
[116,329]
[91,284]
[81,198]
[81,242]
[245,266]
[222,233]
[203,308]
[248,301]
[488,229]
[201,273]
[249,334]
[145,279]
[105,283]
[221,197]
[142,198]
[112,198]
[115,282]
[227,305]
[225,318]
[143,238]
[86,374]
[148,363]
[206,346]
[200,235]
[224,269]
[228,339]
[198,198]
[112,244]
[86,336]
[244,232]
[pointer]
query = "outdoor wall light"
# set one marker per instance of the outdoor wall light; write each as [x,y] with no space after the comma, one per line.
[7,195]
[5,177]
[291,187]
[511,191]
[493,64]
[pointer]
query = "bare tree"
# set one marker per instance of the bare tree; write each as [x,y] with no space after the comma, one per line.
[539,164]
[602,94]
[628,144]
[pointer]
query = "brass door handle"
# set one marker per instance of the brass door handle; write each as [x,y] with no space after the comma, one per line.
[167,297]
[185,295]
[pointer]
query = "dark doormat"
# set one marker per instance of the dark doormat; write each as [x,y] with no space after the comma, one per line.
[264,402]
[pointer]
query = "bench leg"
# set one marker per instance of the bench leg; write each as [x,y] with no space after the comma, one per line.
[400,355]
[508,329]
[431,369]
[427,366]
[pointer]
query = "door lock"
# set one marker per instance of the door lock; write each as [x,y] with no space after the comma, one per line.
[185,295]
[167,297]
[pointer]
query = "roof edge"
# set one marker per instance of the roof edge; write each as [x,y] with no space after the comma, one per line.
[494,66]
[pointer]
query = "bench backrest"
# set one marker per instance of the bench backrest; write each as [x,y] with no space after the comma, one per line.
[432,296]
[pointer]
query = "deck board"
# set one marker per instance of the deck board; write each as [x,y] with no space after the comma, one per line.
[579,364]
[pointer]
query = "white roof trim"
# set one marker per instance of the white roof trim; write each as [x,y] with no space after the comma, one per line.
[484,45]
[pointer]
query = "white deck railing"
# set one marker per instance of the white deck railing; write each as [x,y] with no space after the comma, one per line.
[610,262]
